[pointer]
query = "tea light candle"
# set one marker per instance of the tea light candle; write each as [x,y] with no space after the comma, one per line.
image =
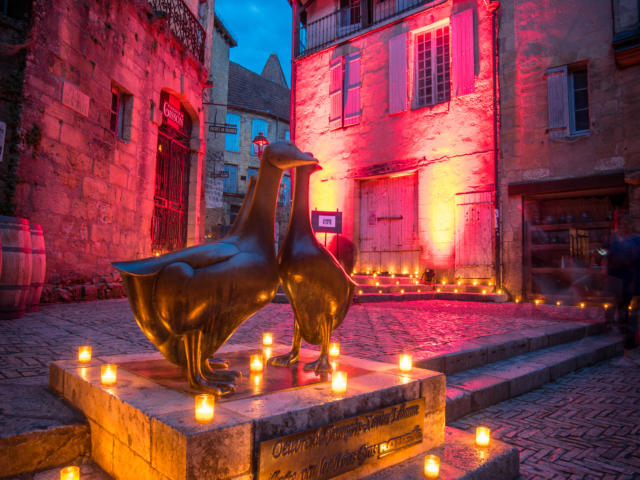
[334,349]
[70,473]
[405,363]
[205,407]
[431,466]
[84,354]
[267,339]
[339,382]
[483,436]
[108,374]
[255,363]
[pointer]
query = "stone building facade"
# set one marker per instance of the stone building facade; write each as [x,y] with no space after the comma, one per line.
[107,151]
[256,104]
[396,100]
[570,150]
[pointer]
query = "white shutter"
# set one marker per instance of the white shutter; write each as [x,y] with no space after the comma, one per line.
[558,100]
[335,93]
[398,73]
[353,84]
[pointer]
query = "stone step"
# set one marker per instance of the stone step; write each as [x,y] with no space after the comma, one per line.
[394,294]
[496,382]
[460,459]
[38,430]
[460,356]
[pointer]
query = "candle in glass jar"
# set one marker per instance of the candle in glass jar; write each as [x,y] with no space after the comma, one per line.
[255,363]
[405,363]
[431,466]
[205,407]
[483,436]
[70,473]
[267,339]
[334,349]
[84,354]
[339,382]
[108,374]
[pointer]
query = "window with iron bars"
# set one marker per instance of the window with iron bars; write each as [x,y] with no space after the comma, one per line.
[120,113]
[432,67]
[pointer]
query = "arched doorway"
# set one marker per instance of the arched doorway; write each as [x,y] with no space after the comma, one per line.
[171,197]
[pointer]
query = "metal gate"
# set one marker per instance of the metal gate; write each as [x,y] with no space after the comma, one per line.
[171,199]
[388,225]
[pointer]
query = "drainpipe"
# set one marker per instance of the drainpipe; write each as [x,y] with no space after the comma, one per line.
[494,8]
[294,42]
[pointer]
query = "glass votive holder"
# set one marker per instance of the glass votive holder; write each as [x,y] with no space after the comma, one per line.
[334,349]
[431,466]
[256,363]
[70,473]
[204,407]
[483,436]
[108,374]
[84,354]
[339,382]
[405,363]
[267,339]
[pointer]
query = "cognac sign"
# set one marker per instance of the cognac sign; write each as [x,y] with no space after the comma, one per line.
[173,114]
[339,447]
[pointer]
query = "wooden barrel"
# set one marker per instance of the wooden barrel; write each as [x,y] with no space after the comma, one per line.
[38,268]
[16,266]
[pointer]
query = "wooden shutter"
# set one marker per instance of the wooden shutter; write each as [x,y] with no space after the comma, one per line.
[353,84]
[558,99]
[462,52]
[398,73]
[335,92]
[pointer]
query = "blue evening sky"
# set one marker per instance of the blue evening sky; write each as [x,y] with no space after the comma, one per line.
[260,28]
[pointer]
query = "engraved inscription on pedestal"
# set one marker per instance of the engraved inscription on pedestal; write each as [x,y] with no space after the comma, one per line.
[339,447]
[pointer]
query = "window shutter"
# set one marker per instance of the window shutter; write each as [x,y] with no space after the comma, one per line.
[462,52]
[232,141]
[558,99]
[352,104]
[398,73]
[335,93]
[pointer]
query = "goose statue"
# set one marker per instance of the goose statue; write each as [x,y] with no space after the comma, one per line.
[189,302]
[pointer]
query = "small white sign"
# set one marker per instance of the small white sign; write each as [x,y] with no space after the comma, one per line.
[327,221]
[3,132]
[73,98]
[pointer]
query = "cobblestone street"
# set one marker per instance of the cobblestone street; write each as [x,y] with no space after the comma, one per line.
[586,425]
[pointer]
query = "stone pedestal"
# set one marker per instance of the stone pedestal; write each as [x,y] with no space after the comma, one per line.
[285,424]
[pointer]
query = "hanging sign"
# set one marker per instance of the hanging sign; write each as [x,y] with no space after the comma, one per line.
[329,222]
[223,128]
[173,114]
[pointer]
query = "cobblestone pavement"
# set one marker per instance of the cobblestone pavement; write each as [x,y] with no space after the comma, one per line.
[584,426]
[372,330]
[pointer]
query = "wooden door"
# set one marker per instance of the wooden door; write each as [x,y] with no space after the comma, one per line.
[388,224]
[474,240]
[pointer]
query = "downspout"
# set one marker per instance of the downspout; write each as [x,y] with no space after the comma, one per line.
[494,8]
[292,109]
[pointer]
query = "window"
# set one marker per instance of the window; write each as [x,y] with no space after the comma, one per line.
[285,190]
[287,136]
[432,67]
[344,91]
[568,100]
[232,140]
[258,126]
[120,113]
[349,16]
[231,180]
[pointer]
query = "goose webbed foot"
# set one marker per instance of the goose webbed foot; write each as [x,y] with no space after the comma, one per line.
[285,360]
[215,387]
[218,363]
[321,365]
[219,374]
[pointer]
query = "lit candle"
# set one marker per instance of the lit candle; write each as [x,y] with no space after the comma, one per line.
[405,363]
[455,290]
[255,363]
[437,290]
[475,282]
[375,275]
[393,275]
[517,300]
[359,292]
[334,349]
[108,374]
[431,466]
[339,382]
[500,292]
[205,406]
[606,305]
[419,290]
[377,284]
[397,282]
[581,304]
[558,302]
[459,282]
[267,339]
[537,301]
[484,292]
[84,354]
[70,473]
[490,283]
[402,291]
[444,282]
[483,436]
[379,291]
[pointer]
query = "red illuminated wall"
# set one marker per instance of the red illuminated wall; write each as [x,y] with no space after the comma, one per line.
[449,146]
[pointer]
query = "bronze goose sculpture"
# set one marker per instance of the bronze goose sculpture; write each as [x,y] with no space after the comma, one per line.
[318,288]
[189,302]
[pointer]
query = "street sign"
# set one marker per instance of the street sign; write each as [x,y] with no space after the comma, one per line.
[221,175]
[328,222]
[223,128]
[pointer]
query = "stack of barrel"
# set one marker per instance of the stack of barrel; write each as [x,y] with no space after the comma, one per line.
[23,265]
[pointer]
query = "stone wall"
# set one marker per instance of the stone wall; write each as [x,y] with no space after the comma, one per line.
[450,145]
[91,191]
[538,35]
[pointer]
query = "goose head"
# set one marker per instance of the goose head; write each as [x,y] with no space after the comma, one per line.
[285,155]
